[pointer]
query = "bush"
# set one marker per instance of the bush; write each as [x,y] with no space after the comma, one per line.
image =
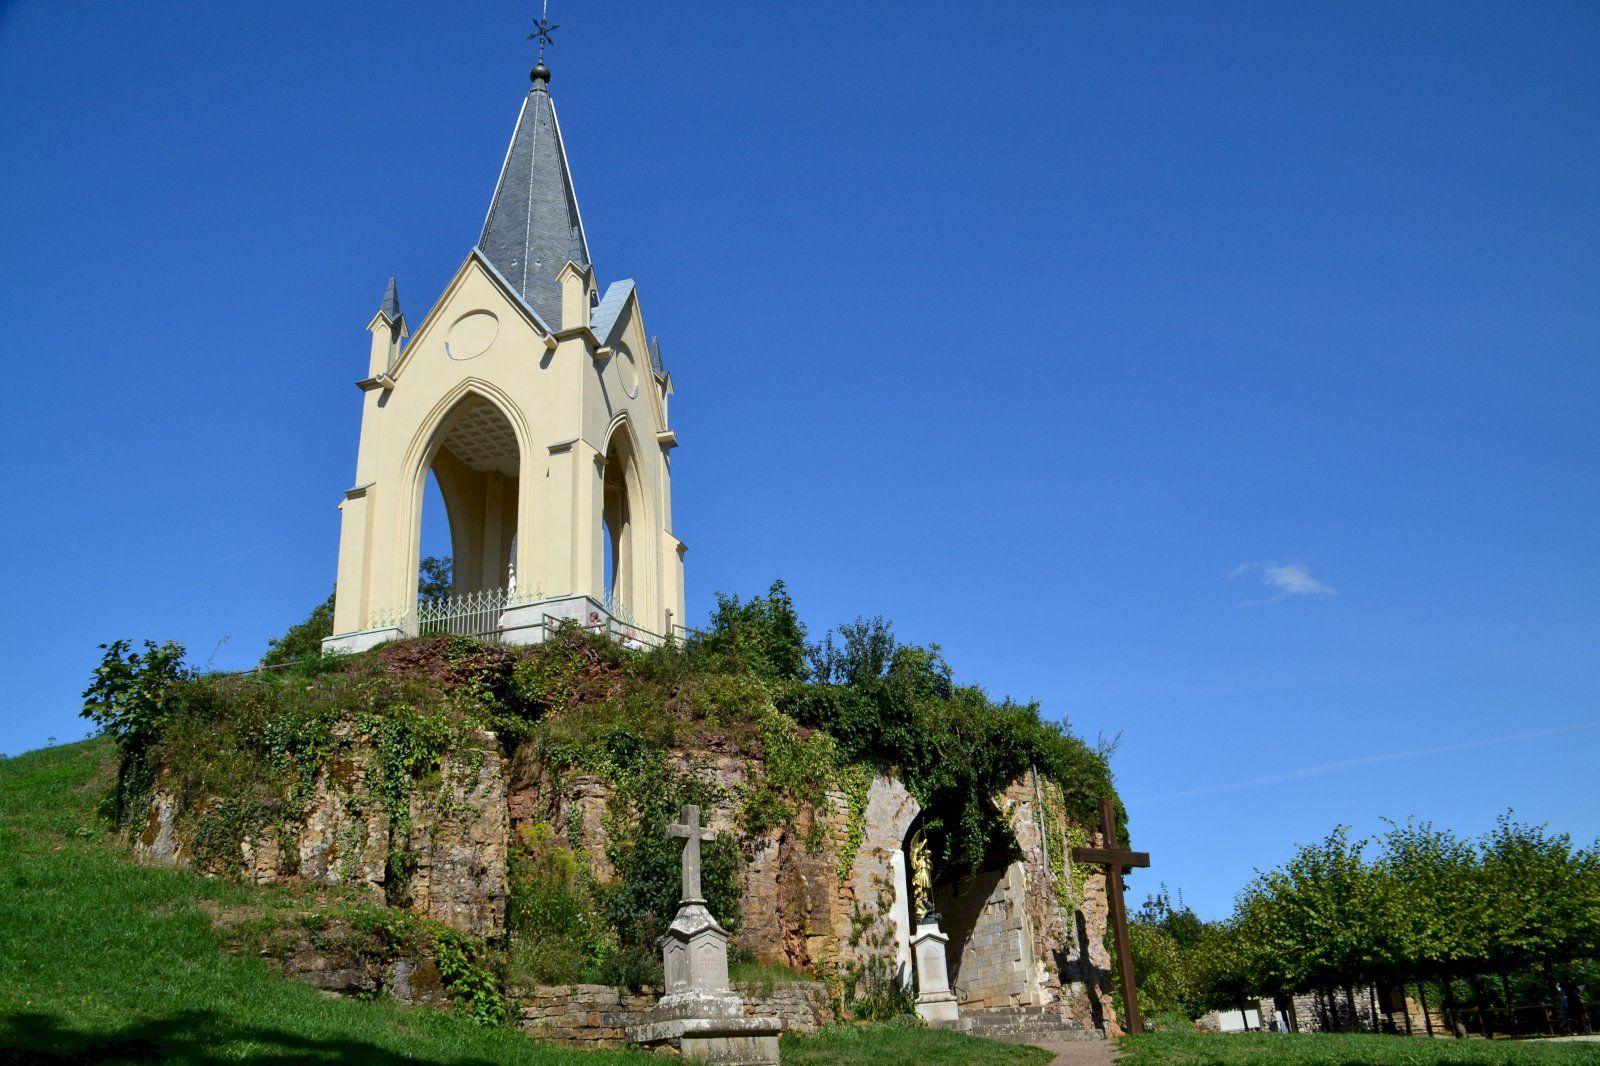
[130,699]
[304,639]
[894,704]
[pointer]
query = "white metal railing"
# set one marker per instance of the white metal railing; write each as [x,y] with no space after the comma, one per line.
[472,614]
[468,614]
[479,615]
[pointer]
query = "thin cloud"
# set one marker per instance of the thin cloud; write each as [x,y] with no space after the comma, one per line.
[237,554]
[1322,769]
[1285,579]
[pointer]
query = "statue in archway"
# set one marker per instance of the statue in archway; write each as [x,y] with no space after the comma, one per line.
[921,876]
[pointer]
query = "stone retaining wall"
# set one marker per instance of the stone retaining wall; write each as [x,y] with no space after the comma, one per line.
[456,841]
[597,1016]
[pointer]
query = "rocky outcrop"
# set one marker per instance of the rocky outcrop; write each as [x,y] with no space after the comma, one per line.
[824,889]
[329,963]
[450,866]
[458,837]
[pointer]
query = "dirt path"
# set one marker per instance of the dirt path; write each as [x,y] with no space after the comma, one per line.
[1081,1052]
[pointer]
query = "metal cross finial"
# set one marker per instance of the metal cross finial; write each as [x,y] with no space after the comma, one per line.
[542,29]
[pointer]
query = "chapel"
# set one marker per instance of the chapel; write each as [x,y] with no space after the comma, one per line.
[538,402]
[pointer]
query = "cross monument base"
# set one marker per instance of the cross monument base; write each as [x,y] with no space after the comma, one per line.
[701,1015]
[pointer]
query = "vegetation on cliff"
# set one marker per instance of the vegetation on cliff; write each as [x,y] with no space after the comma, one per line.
[110,962]
[244,755]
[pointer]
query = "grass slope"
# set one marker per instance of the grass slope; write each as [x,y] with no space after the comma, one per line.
[105,961]
[1342,1049]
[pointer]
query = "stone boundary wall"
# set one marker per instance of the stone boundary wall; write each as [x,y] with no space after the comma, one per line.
[595,1017]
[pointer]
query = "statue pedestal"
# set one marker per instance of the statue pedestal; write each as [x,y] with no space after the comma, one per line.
[935,1002]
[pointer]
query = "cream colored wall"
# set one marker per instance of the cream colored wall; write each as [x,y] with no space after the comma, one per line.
[563,405]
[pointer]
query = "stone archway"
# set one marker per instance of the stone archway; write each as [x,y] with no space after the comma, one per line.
[984,912]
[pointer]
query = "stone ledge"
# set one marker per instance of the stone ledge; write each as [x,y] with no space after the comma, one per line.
[678,1028]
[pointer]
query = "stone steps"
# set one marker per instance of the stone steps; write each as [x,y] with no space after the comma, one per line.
[1023,1025]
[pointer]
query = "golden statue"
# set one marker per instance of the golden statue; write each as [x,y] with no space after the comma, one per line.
[921,877]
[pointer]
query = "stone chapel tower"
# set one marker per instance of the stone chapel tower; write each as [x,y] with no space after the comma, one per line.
[540,406]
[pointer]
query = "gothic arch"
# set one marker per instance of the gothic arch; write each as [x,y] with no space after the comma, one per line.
[475,443]
[983,912]
[627,517]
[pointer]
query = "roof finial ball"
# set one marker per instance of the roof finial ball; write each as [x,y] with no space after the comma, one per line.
[542,29]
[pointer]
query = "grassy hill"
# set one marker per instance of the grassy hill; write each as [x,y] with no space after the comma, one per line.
[105,961]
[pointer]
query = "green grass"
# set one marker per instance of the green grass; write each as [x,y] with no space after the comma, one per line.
[105,961]
[1340,1049]
[893,1045]
[765,975]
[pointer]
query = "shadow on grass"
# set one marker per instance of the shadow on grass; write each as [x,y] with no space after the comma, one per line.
[188,1036]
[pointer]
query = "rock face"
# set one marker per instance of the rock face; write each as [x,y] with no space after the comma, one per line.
[824,889]
[459,834]
[829,887]
[451,866]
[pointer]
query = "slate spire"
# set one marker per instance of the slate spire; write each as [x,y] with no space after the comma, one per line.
[390,307]
[533,226]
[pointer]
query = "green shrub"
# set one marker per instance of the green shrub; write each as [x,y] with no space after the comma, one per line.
[130,699]
[559,933]
[302,640]
[764,636]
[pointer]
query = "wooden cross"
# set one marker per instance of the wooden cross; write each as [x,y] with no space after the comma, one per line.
[1116,861]
[691,834]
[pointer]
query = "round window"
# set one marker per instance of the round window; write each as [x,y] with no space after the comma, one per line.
[472,335]
[627,371]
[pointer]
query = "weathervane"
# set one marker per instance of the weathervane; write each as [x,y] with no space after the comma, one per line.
[542,30]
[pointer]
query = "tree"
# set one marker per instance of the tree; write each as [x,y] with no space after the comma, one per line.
[129,699]
[764,635]
[1437,917]
[1316,921]
[303,640]
[1543,896]
[435,577]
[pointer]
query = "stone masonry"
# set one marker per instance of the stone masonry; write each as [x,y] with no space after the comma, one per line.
[596,1016]
[1018,939]
[458,839]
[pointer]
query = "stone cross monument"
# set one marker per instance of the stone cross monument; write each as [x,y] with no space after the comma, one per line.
[699,1013]
[691,834]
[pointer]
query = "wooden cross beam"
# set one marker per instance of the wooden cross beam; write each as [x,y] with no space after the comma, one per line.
[1116,861]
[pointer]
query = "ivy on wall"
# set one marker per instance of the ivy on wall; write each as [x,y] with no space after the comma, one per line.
[246,755]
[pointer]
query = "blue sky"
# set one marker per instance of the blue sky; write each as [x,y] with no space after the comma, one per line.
[1222,376]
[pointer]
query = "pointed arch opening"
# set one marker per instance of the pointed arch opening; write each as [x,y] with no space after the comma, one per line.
[473,471]
[624,549]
